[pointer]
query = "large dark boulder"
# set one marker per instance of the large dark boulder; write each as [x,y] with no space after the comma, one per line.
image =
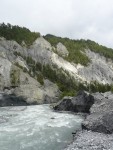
[11,100]
[64,105]
[101,114]
[81,103]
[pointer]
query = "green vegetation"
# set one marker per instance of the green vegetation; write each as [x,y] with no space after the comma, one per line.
[15,77]
[97,87]
[40,78]
[21,67]
[77,47]
[74,47]
[112,88]
[66,83]
[18,34]
[102,50]
[40,71]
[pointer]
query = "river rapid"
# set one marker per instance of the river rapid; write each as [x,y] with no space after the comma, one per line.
[36,128]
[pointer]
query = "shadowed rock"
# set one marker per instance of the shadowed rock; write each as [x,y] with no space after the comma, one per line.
[11,100]
[81,103]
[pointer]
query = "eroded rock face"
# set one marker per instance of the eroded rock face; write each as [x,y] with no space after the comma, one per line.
[21,62]
[52,92]
[18,84]
[34,92]
[5,67]
[62,50]
[42,43]
[9,47]
[41,51]
[81,103]
[100,69]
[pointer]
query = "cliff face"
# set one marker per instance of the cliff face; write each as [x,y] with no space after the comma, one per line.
[14,70]
[99,69]
[14,80]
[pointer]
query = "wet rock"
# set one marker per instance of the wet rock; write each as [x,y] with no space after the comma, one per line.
[11,100]
[81,103]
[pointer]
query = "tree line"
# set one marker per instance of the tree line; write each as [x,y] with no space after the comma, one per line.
[17,33]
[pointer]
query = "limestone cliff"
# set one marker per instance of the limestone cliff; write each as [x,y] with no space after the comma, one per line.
[14,70]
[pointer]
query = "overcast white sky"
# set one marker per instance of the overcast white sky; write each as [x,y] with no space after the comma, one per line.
[86,19]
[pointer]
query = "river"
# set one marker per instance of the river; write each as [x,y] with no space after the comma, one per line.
[36,128]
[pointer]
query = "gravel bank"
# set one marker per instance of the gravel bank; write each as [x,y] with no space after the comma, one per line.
[88,140]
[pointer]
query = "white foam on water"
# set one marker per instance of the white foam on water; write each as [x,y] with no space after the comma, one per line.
[36,128]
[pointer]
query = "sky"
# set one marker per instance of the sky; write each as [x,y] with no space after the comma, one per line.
[76,19]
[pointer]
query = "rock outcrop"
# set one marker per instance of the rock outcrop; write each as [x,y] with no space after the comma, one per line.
[5,67]
[34,92]
[100,69]
[81,103]
[62,50]
[19,61]
[18,84]
[41,51]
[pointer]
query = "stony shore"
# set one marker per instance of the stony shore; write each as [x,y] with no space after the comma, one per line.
[88,140]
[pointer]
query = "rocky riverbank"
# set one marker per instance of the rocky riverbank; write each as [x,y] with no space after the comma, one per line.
[97,133]
[88,140]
